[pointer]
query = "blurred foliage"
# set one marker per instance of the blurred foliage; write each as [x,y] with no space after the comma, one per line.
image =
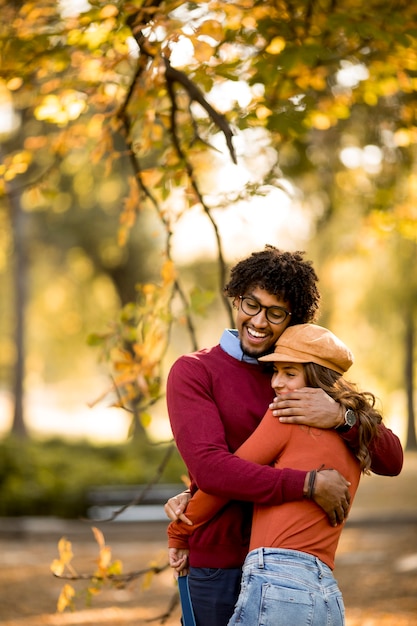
[118,120]
[109,573]
[136,345]
[121,117]
[53,477]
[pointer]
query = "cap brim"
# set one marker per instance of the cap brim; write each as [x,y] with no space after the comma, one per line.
[275,356]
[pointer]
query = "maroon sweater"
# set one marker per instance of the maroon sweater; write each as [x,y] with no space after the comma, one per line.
[215,402]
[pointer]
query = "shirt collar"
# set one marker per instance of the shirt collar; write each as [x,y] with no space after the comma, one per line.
[230,343]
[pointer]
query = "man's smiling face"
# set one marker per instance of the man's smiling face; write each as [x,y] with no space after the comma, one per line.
[256,333]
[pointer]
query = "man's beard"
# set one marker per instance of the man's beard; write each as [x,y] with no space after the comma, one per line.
[255,355]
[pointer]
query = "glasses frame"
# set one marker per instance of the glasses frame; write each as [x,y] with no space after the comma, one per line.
[266,308]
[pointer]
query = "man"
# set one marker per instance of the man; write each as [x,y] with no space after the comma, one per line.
[216,398]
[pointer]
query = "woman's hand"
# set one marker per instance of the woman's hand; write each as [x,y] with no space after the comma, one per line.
[178,560]
[175,507]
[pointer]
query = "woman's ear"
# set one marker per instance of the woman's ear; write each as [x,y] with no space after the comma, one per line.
[236,302]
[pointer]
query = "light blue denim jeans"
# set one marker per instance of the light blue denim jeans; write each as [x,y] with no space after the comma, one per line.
[287,588]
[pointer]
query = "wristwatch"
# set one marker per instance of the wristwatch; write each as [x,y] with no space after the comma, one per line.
[350,421]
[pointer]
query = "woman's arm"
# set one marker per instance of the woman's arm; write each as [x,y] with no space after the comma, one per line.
[263,447]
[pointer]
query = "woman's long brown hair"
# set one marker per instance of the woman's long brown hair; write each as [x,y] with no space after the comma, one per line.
[362,403]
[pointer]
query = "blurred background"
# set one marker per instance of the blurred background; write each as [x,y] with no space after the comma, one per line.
[146,147]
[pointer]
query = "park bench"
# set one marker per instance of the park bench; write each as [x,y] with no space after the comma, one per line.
[137,502]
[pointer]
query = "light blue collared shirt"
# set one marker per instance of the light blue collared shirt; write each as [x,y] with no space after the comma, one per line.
[230,343]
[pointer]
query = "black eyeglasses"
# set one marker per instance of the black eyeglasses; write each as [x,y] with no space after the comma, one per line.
[274,314]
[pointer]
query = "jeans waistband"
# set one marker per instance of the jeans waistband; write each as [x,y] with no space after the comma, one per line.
[262,556]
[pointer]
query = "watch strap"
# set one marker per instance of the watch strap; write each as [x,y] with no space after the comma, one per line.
[349,422]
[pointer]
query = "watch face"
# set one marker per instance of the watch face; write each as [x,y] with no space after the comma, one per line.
[350,418]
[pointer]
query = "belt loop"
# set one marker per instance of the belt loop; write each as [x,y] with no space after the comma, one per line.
[260,558]
[320,568]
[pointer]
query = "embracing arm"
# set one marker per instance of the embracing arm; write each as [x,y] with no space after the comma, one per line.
[204,440]
[385,450]
[303,407]
[262,447]
[201,439]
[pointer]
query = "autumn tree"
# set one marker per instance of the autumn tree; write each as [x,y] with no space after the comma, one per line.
[158,97]
[321,94]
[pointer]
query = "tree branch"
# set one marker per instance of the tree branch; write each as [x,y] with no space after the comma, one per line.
[195,186]
[194,93]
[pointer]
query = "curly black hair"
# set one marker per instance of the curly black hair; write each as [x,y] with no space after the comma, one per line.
[283,274]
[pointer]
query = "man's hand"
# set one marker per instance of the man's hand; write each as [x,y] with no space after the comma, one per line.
[178,559]
[175,507]
[308,406]
[331,493]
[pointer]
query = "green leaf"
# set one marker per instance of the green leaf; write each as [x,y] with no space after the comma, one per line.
[200,300]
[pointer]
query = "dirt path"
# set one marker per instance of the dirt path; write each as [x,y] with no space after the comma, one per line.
[376,565]
[376,569]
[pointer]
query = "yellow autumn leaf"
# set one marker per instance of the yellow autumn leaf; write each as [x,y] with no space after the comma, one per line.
[110,10]
[142,384]
[185,480]
[145,419]
[98,536]
[151,177]
[148,289]
[65,599]
[403,137]
[276,45]
[57,567]
[168,272]
[388,86]
[202,51]
[116,568]
[148,578]
[65,550]
[318,81]
[320,120]
[104,559]
[131,203]
[262,112]
[212,28]
[127,379]
[156,132]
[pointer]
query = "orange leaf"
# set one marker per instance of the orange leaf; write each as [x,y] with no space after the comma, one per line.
[98,536]
[65,599]
[65,550]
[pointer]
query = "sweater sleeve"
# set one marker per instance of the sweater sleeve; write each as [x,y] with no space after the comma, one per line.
[385,449]
[263,447]
[201,440]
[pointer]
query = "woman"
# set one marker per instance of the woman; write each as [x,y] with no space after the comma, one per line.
[287,575]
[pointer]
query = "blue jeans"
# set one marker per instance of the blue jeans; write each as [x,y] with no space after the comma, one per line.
[287,588]
[214,593]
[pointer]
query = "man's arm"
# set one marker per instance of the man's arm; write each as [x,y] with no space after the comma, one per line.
[385,449]
[200,436]
[326,487]
[304,407]
[268,442]
[330,492]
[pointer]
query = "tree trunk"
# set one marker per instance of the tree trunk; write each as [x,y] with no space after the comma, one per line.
[411,443]
[20,291]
